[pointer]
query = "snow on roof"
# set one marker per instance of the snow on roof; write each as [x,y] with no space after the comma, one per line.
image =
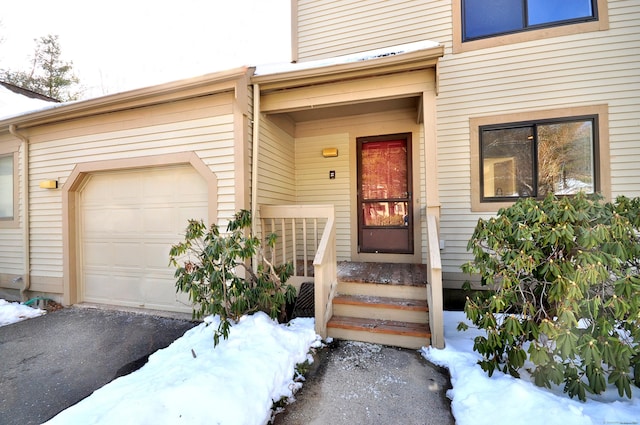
[355,57]
[14,104]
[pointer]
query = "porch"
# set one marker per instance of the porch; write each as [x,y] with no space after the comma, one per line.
[386,303]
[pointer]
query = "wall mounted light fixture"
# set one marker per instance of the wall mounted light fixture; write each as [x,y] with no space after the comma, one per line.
[330,152]
[49,184]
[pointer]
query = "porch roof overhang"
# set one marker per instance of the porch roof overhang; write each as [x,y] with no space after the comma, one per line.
[375,81]
[234,80]
[348,67]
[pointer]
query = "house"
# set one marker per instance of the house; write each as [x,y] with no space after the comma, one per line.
[14,100]
[399,125]
[105,186]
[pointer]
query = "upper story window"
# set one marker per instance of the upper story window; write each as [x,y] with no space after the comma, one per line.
[488,18]
[483,24]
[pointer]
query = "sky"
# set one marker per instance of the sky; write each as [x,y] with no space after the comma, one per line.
[119,45]
[182,383]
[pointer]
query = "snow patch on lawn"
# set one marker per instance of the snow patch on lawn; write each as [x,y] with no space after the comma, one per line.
[233,383]
[16,312]
[477,399]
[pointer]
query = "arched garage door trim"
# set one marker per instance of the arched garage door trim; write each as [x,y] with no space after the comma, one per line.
[74,183]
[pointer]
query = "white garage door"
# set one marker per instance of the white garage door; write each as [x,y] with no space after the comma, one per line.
[128,222]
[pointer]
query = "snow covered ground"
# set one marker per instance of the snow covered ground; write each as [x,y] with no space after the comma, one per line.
[191,382]
[503,400]
[15,312]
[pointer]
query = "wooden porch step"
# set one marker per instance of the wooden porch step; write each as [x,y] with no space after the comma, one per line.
[382,290]
[385,280]
[391,327]
[388,332]
[381,308]
[382,302]
[383,273]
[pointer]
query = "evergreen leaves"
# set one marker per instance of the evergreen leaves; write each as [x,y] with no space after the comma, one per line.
[214,270]
[48,74]
[564,291]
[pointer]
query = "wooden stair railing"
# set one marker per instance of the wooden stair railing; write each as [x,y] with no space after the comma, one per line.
[434,283]
[305,232]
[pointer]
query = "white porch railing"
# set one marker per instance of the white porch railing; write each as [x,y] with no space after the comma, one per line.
[305,232]
[434,285]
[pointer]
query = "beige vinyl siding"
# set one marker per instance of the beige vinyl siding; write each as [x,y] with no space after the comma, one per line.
[313,185]
[588,69]
[203,125]
[276,177]
[276,174]
[11,253]
[419,194]
[12,238]
[339,27]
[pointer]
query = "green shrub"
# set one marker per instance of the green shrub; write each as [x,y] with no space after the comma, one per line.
[565,292]
[214,270]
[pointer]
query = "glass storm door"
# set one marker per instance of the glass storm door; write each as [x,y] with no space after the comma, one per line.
[385,213]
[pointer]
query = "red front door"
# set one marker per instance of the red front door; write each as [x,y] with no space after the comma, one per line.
[385,213]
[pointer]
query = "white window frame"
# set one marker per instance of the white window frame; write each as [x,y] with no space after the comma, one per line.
[12,222]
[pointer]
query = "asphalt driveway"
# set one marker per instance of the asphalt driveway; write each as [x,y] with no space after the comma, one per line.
[359,383]
[53,361]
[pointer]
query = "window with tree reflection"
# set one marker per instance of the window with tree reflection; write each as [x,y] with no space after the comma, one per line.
[533,159]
